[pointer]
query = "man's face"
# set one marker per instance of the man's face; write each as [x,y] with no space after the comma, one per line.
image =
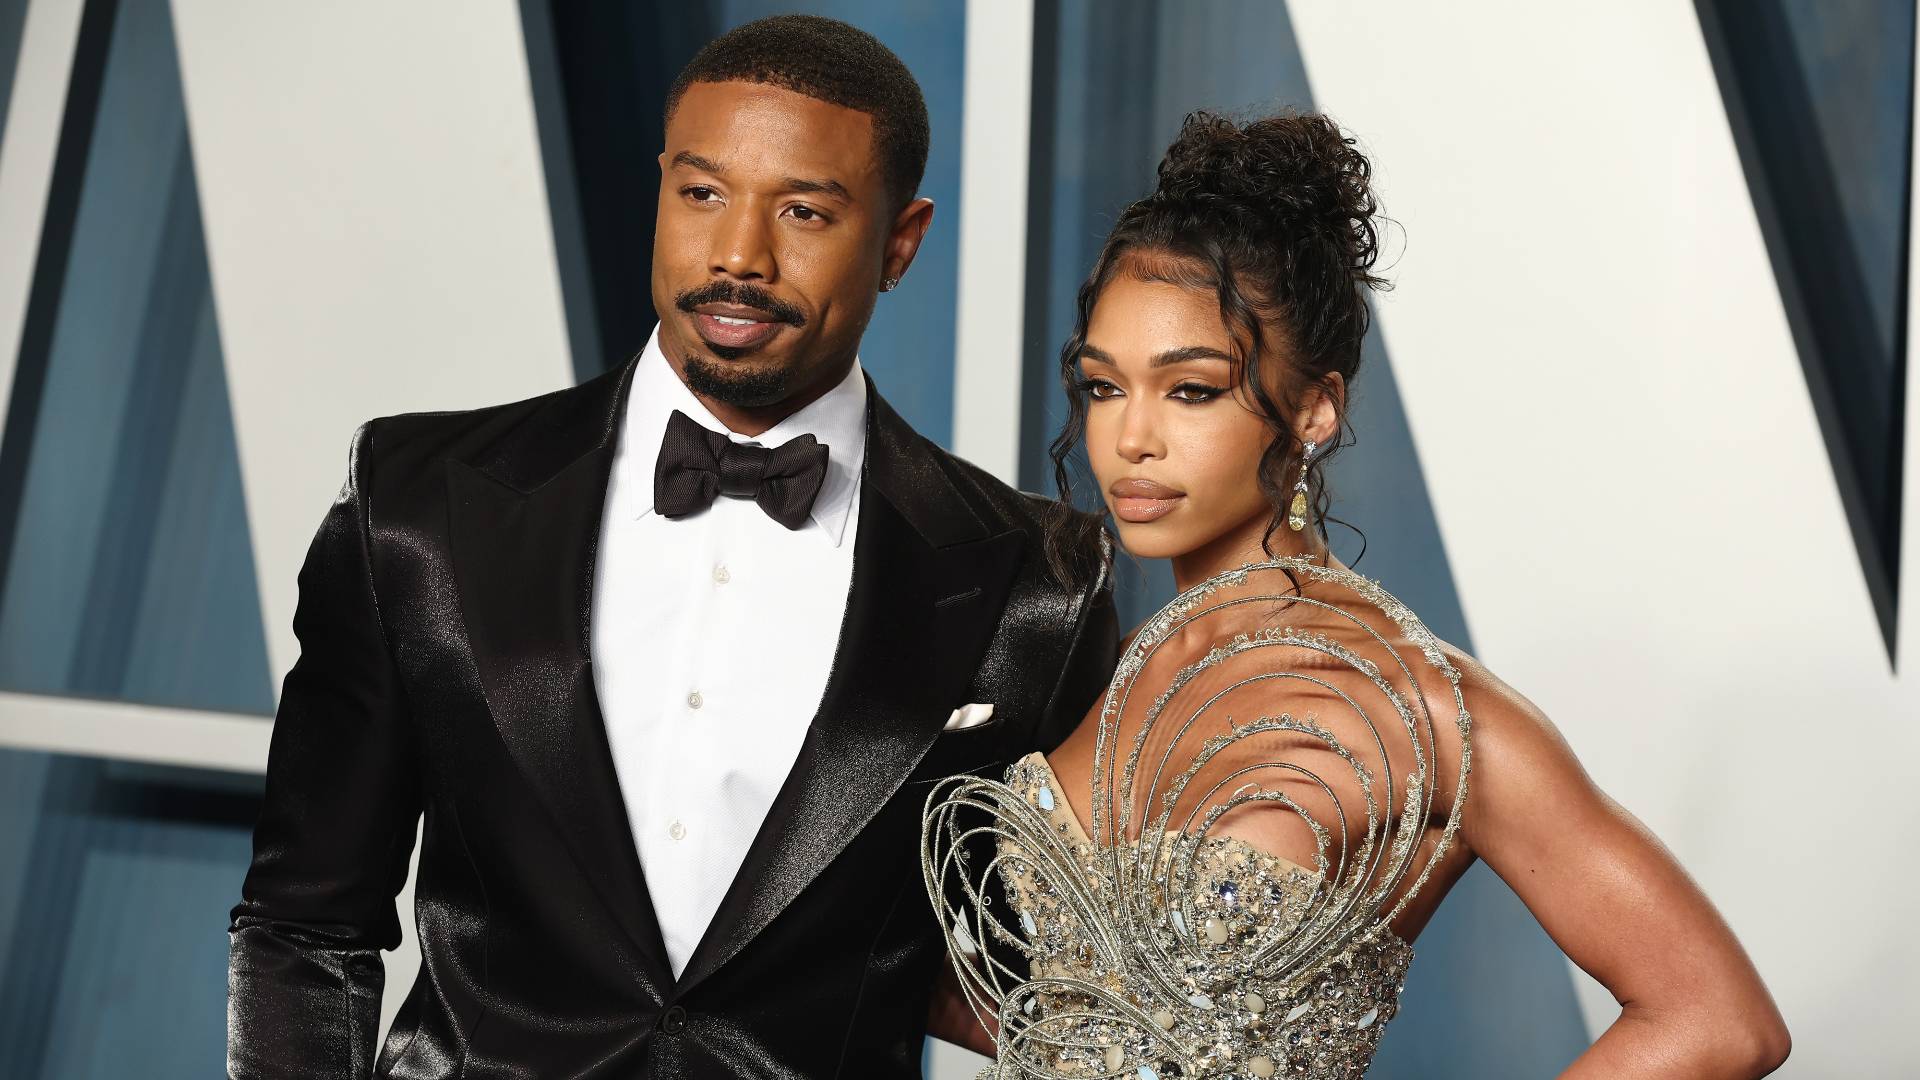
[774,230]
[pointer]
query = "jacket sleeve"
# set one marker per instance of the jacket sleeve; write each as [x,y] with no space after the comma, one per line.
[1091,657]
[330,850]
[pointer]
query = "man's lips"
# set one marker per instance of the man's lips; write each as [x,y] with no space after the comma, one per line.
[1137,500]
[736,311]
[735,326]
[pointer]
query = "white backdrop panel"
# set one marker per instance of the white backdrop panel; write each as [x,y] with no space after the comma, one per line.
[378,230]
[32,133]
[380,241]
[1630,477]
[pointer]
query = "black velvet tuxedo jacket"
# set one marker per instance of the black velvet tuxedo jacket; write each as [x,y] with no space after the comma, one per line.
[445,671]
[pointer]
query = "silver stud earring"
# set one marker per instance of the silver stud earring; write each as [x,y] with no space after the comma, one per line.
[1297,510]
[889,284]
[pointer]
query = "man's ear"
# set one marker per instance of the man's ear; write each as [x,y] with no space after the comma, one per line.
[903,241]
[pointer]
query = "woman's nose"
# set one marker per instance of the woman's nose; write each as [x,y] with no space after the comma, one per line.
[1138,438]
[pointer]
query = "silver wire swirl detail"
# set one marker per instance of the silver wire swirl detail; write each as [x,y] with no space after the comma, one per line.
[1128,976]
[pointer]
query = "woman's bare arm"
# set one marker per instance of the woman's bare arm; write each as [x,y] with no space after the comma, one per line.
[1617,903]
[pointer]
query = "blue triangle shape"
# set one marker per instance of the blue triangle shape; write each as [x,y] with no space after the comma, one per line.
[1820,100]
[128,568]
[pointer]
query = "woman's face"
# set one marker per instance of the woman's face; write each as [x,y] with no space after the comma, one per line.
[1174,443]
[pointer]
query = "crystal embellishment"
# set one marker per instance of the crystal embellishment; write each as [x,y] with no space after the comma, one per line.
[1147,943]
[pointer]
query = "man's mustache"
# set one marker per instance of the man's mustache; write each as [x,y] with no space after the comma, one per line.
[753,296]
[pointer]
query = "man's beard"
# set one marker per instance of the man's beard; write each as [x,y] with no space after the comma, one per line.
[751,388]
[748,388]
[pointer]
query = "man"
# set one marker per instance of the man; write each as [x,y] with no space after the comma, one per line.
[667,660]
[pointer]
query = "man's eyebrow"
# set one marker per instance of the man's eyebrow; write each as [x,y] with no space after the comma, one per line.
[1171,356]
[833,188]
[694,161]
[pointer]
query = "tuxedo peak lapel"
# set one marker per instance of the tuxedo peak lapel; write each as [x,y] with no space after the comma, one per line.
[540,438]
[525,525]
[910,474]
[929,582]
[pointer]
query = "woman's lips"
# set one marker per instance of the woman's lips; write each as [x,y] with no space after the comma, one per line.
[735,334]
[1137,501]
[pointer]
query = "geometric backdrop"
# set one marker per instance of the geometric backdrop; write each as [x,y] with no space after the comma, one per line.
[1820,101]
[1635,415]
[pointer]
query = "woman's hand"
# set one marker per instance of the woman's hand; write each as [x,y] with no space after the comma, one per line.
[1617,903]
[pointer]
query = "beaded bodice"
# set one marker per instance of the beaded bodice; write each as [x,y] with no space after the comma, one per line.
[1237,892]
[1147,946]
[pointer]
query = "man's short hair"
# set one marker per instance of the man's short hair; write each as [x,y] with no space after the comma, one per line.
[833,62]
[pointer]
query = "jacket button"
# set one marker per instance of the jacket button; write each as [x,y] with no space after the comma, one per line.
[674,1020]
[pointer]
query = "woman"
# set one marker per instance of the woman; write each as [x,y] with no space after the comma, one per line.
[1221,872]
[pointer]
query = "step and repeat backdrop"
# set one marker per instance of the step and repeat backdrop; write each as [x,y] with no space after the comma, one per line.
[1632,425]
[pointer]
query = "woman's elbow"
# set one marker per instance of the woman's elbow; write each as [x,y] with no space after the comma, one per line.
[1725,1042]
[1751,1043]
[1768,1044]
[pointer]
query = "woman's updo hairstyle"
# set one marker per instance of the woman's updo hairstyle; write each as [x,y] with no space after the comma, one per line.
[1276,217]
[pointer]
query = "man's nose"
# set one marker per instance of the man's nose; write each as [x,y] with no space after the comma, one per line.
[742,244]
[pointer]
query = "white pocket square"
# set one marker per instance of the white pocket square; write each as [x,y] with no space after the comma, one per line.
[968,716]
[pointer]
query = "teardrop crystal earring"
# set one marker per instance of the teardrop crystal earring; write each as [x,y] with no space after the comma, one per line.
[1297,510]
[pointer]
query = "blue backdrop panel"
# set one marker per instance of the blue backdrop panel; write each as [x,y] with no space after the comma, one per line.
[1820,100]
[128,575]
[116,954]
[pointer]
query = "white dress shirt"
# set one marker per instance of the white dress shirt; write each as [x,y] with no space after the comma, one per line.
[712,638]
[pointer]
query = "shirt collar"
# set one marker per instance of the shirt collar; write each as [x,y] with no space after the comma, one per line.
[838,418]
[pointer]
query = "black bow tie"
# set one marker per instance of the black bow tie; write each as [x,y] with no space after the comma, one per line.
[696,465]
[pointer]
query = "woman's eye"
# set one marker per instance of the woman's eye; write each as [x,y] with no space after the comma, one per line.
[1100,389]
[1195,393]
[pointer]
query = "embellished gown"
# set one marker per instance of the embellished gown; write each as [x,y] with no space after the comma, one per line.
[1285,706]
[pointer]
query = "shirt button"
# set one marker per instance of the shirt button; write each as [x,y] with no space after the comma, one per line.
[677,831]
[720,575]
[694,700]
[674,1020]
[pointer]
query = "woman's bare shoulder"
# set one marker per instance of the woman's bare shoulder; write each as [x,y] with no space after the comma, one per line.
[1497,708]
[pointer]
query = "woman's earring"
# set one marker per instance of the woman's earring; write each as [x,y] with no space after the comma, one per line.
[889,284]
[1297,511]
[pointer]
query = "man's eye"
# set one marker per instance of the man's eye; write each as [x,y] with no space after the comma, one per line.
[702,194]
[807,213]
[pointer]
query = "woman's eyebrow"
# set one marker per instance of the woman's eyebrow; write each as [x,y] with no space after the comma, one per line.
[1190,352]
[1171,356]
